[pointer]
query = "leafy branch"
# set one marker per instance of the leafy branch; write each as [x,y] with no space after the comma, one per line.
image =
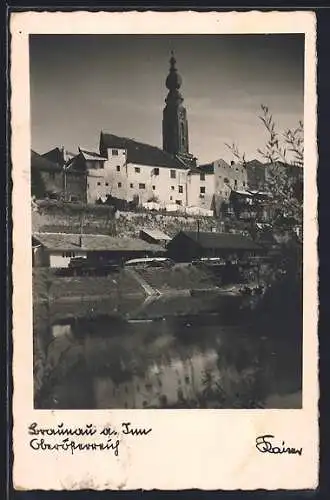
[293,141]
[240,157]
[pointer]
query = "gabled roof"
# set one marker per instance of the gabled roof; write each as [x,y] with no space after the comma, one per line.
[139,152]
[91,155]
[55,155]
[210,240]
[156,234]
[223,163]
[93,242]
[207,168]
[254,163]
[39,162]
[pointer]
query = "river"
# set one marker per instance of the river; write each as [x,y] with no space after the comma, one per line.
[177,355]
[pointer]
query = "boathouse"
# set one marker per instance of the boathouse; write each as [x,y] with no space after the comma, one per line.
[189,245]
[57,249]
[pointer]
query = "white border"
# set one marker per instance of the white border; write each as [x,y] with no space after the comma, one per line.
[213,449]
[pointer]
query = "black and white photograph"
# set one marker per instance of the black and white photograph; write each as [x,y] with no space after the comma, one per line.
[165,262]
[167,220]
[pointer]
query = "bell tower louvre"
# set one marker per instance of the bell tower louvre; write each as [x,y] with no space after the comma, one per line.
[175,123]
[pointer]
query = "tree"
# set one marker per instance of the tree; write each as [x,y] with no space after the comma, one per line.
[284,156]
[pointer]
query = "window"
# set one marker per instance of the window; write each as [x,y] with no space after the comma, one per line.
[156,171]
[107,183]
[99,184]
[171,198]
[202,177]
[235,183]
[131,185]
[178,202]
[114,152]
[68,254]
[172,187]
[137,170]
[142,186]
[244,183]
[173,174]
[226,180]
[180,189]
[118,168]
[202,189]
[119,184]
[154,187]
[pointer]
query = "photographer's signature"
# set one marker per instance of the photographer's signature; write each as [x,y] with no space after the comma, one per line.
[265,444]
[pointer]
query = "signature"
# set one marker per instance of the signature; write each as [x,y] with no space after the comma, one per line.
[264,445]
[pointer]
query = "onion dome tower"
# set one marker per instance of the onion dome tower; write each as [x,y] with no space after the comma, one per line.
[175,124]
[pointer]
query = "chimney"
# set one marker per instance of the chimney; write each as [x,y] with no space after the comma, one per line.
[232,163]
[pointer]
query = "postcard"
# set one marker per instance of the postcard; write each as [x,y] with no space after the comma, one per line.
[164,250]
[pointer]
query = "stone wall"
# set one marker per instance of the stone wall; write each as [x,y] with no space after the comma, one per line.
[69,218]
[102,220]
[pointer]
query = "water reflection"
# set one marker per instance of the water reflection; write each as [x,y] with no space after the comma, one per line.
[194,359]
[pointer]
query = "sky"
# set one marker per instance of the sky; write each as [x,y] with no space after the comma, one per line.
[82,84]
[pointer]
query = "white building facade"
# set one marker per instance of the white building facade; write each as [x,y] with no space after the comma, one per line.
[137,171]
[211,184]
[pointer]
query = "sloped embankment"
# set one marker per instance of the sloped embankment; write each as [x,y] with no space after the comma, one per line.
[178,278]
[49,287]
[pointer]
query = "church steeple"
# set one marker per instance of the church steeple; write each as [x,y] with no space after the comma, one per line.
[175,124]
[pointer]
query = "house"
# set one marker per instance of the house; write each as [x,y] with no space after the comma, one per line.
[46,177]
[201,187]
[210,184]
[90,165]
[141,172]
[56,249]
[189,245]
[249,205]
[155,236]
[74,177]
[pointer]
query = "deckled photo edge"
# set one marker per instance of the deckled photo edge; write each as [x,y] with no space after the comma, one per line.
[22,261]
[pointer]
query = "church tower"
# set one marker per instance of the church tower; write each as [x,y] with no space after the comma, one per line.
[175,124]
